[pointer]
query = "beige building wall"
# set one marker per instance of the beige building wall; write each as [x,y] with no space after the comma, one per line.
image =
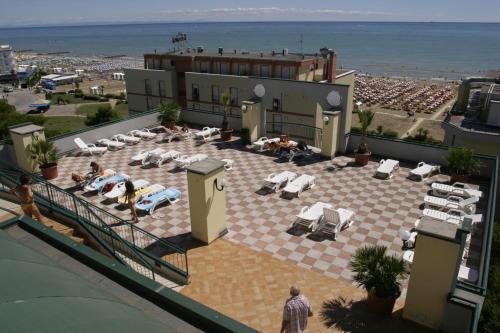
[136,88]
[347,79]
[433,275]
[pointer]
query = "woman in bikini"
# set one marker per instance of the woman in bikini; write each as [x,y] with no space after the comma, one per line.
[130,194]
[24,193]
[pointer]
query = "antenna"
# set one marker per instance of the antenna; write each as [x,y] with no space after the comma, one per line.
[181,40]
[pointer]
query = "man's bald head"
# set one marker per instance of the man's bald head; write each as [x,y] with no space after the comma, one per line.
[294,291]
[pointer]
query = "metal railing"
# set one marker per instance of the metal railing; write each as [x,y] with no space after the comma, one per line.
[311,135]
[147,252]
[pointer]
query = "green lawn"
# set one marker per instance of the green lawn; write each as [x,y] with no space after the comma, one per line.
[91,109]
[63,124]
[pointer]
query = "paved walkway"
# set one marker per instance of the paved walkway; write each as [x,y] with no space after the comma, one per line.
[252,287]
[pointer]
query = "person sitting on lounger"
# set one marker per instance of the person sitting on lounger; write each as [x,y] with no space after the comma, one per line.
[96,171]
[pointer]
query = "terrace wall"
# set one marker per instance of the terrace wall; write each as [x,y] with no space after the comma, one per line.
[207,118]
[412,152]
[7,153]
[65,143]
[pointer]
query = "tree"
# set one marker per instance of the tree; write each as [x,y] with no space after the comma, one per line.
[103,115]
[365,119]
[9,117]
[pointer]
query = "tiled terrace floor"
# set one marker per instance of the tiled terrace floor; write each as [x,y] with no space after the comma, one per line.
[261,222]
[252,287]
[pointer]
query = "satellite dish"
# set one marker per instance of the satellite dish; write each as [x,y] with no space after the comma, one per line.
[333,98]
[259,90]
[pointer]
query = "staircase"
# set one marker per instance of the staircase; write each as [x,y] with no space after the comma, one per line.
[147,254]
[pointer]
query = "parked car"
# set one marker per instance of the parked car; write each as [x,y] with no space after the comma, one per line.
[8,89]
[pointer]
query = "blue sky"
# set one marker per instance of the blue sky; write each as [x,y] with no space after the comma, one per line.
[42,12]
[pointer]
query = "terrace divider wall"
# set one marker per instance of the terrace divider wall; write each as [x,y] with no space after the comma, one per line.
[65,143]
[209,118]
[413,152]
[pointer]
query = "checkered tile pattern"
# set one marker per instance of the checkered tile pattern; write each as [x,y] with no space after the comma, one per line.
[262,221]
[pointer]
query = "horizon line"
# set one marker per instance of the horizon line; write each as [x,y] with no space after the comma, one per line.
[110,23]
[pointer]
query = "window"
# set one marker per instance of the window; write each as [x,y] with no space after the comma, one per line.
[215,95]
[264,70]
[147,86]
[224,68]
[276,104]
[156,63]
[242,69]
[285,72]
[161,88]
[204,67]
[149,103]
[233,96]
[195,92]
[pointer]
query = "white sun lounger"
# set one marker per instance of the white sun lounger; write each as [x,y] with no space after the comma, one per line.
[424,170]
[206,133]
[144,133]
[90,149]
[111,144]
[185,161]
[335,220]
[452,202]
[158,158]
[386,168]
[298,185]
[145,155]
[458,189]
[228,163]
[453,216]
[128,139]
[261,143]
[119,189]
[309,217]
[275,181]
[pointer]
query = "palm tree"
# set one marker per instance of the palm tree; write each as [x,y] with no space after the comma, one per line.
[168,112]
[365,119]
[43,152]
[377,272]
[225,104]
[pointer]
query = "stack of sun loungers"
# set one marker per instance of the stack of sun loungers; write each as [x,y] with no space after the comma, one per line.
[206,133]
[424,170]
[276,181]
[386,168]
[184,161]
[299,185]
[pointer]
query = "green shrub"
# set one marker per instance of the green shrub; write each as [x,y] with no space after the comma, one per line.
[390,134]
[109,96]
[104,114]
[91,97]
[103,99]
[9,117]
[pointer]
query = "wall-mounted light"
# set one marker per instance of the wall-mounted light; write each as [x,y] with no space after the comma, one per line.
[326,119]
[222,184]
[244,108]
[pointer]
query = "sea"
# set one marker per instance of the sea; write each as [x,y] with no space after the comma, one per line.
[417,50]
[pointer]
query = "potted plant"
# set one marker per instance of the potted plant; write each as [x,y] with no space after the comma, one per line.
[461,164]
[45,155]
[381,275]
[225,132]
[362,154]
[168,114]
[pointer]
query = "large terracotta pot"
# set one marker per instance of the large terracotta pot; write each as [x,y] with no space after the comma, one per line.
[226,135]
[378,305]
[362,159]
[49,171]
[458,178]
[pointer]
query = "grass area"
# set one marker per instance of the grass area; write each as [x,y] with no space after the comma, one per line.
[434,128]
[122,110]
[63,124]
[91,109]
[388,122]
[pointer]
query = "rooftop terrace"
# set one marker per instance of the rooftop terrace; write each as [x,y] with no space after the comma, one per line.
[261,222]
[243,54]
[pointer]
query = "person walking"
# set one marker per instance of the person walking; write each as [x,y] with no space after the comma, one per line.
[130,195]
[24,193]
[295,313]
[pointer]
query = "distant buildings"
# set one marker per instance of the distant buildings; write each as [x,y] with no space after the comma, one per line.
[293,88]
[51,81]
[7,63]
